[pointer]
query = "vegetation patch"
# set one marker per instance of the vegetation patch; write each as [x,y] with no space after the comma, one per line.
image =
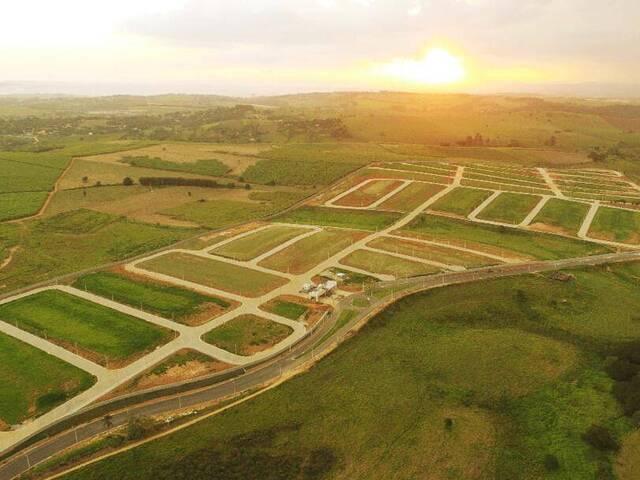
[461,201]
[297,172]
[376,262]
[247,335]
[504,241]
[178,304]
[95,331]
[561,215]
[18,205]
[215,274]
[509,207]
[211,167]
[342,218]
[411,197]
[617,225]
[34,382]
[262,241]
[305,254]
[287,306]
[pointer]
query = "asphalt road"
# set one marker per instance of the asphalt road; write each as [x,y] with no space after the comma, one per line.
[291,360]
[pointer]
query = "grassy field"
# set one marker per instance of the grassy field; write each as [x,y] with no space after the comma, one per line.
[368,193]
[285,308]
[298,172]
[471,382]
[310,251]
[215,274]
[504,241]
[342,218]
[34,382]
[510,208]
[77,240]
[435,253]
[18,205]
[411,197]
[461,201]
[247,335]
[561,215]
[375,262]
[617,225]
[260,242]
[178,304]
[209,167]
[504,185]
[96,330]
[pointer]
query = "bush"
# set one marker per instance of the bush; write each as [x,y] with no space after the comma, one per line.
[622,370]
[180,182]
[628,395]
[128,181]
[551,463]
[600,438]
[140,427]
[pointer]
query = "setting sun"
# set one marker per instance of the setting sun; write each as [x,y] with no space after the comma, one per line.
[437,67]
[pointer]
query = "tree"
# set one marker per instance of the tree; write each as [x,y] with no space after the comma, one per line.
[128,181]
[140,427]
[600,438]
[85,179]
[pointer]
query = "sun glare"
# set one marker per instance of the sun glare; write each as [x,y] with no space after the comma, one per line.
[437,67]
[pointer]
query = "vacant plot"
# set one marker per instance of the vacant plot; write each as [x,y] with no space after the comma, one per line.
[430,168]
[504,241]
[93,330]
[411,197]
[474,394]
[297,172]
[504,185]
[255,244]
[376,262]
[562,216]
[302,256]
[18,205]
[434,253]
[215,274]
[182,305]
[368,193]
[247,335]
[288,306]
[461,201]
[343,218]
[617,225]
[510,208]
[34,382]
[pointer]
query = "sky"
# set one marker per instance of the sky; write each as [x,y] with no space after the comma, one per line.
[253,47]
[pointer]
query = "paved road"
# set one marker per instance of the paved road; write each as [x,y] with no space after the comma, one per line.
[293,360]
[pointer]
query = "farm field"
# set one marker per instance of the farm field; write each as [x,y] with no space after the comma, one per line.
[461,201]
[376,262]
[342,218]
[255,244]
[436,253]
[368,193]
[97,332]
[411,197]
[209,167]
[76,240]
[178,304]
[214,273]
[561,216]
[503,241]
[34,382]
[22,204]
[617,225]
[247,335]
[311,251]
[493,375]
[509,207]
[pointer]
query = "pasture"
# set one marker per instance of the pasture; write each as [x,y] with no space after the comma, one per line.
[178,304]
[376,262]
[255,244]
[562,216]
[91,330]
[247,335]
[461,201]
[34,382]
[305,254]
[411,197]
[503,241]
[436,253]
[368,193]
[214,273]
[509,207]
[616,225]
[342,218]
[479,387]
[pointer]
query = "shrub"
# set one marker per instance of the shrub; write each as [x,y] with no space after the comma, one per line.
[628,395]
[128,181]
[140,427]
[622,370]
[180,182]
[600,438]
[551,463]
